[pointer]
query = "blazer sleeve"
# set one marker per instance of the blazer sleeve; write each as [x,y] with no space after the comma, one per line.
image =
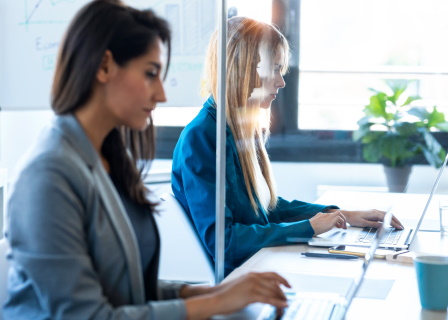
[194,185]
[169,289]
[289,211]
[51,269]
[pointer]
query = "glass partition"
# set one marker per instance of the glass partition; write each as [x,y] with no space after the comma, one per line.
[298,75]
[192,156]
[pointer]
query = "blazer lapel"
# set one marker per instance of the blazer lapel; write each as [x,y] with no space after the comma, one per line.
[125,233]
[77,138]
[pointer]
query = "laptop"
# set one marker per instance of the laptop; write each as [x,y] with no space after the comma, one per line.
[327,306]
[393,239]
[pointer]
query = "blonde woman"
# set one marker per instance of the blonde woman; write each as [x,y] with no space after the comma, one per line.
[255,217]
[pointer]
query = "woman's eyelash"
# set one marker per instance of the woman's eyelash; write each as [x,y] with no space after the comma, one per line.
[151,74]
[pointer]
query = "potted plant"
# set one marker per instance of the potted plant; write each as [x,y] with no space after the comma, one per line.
[394,132]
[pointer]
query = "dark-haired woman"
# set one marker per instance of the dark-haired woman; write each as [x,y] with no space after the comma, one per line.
[84,244]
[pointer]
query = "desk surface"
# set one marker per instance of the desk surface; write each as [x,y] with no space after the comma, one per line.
[401,298]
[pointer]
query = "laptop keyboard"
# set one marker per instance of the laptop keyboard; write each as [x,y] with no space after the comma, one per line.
[309,309]
[391,236]
[304,306]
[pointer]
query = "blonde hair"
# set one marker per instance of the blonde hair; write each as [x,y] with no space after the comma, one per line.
[243,42]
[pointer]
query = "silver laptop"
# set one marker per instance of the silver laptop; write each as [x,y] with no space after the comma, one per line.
[393,238]
[327,306]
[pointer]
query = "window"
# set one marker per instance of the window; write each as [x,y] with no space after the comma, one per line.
[339,49]
[349,46]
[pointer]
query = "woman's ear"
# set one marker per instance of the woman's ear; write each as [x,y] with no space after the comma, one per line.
[107,67]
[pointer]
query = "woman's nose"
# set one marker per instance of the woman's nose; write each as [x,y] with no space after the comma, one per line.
[280,82]
[160,94]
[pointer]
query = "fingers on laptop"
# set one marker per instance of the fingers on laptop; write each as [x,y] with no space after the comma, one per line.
[396,223]
[268,288]
[323,222]
[378,217]
[341,221]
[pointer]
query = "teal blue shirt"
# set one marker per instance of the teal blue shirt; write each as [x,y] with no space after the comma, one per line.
[193,184]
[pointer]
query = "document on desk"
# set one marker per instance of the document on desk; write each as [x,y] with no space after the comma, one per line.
[371,288]
[427,225]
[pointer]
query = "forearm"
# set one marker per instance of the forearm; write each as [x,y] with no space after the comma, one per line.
[367,218]
[202,307]
[347,213]
[191,291]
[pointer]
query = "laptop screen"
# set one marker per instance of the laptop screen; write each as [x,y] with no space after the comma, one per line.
[433,190]
[368,258]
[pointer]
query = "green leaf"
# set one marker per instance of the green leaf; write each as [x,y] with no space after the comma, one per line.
[372,136]
[435,117]
[410,99]
[406,128]
[434,159]
[393,148]
[364,120]
[398,87]
[372,151]
[432,144]
[377,106]
[419,112]
[374,90]
[361,132]
[443,126]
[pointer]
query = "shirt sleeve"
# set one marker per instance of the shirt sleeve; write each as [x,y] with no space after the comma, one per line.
[289,211]
[52,274]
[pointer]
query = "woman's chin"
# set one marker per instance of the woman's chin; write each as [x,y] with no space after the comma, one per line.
[265,105]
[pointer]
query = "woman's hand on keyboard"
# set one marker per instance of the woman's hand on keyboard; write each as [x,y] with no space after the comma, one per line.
[252,287]
[203,302]
[369,218]
[323,222]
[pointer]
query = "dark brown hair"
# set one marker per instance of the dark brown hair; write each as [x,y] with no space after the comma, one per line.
[128,33]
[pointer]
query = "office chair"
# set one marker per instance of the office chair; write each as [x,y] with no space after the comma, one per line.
[183,256]
[4,266]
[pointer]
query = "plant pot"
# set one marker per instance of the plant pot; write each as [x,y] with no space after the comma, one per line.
[397,178]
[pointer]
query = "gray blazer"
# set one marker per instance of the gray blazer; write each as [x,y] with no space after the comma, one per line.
[74,254]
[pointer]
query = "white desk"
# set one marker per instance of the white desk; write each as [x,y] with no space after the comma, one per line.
[402,300]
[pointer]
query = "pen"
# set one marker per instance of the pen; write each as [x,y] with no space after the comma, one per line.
[328,255]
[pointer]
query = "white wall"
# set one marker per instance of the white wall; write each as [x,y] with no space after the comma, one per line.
[300,180]
[18,129]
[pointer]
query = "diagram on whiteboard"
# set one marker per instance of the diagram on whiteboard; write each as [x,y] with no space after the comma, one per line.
[37,13]
[32,30]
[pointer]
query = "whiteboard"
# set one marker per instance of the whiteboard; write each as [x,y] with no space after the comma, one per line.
[31,30]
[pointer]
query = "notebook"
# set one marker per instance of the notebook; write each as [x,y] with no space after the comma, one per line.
[327,306]
[393,239]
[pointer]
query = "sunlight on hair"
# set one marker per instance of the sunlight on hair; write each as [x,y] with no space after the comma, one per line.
[260,10]
[264,118]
